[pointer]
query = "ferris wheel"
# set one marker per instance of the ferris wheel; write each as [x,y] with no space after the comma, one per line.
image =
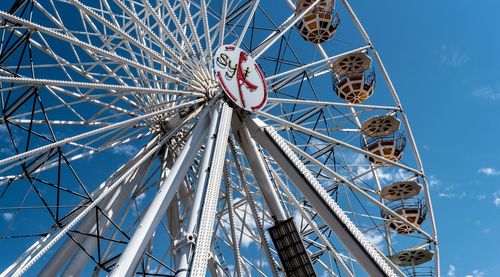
[204,137]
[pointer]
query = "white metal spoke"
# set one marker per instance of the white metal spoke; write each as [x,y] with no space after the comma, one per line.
[208,39]
[321,65]
[334,104]
[247,23]
[88,134]
[89,47]
[337,142]
[289,23]
[112,88]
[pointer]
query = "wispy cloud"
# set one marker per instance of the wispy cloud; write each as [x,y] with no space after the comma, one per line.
[475,273]
[363,168]
[126,150]
[489,171]
[496,198]
[454,57]
[452,195]
[487,92]
[5,147]
[451,271]
[140,198]
[243,222]
[481,196]
[434,181]
[375,238]
[7,216]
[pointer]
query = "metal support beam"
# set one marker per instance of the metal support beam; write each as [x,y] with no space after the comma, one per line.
[255,214]
[231,213]
[186,247]
[261,173]
[68,248]
[350,236]
[206,229]
[135,248]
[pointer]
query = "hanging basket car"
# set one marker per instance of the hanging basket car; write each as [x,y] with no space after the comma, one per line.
[389,147]
[380,126]
[351,82]
[413,210]
[319,24]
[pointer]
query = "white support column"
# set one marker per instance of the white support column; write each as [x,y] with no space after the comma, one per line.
[206,230]
[231,213]
[175,226]
[351,237]
[186,243]
[132,254]
[253,209]
[261,173]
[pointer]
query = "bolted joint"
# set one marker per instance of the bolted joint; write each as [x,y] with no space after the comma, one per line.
[187,238]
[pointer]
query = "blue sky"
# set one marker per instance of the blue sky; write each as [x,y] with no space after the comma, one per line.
[442,58]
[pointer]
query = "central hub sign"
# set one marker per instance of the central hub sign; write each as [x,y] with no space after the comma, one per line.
[240,77]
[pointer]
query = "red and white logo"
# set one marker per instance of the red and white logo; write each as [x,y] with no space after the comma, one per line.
[240,77]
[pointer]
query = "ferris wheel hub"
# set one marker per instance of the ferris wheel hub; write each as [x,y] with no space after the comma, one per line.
[240,77]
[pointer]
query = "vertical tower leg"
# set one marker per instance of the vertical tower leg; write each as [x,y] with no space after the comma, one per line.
[135,248]
[206,227]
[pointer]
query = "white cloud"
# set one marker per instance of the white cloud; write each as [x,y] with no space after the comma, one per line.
[249,227]
[451,271]
[140,198]
[384,174]
[481,196]
[496,198]
[487,92]
[475,273]
[453,57]
[452,195]
[488,171]
[7,216]
[434,181]
[126,149]
[375,238]
[5,141]
[264,263]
